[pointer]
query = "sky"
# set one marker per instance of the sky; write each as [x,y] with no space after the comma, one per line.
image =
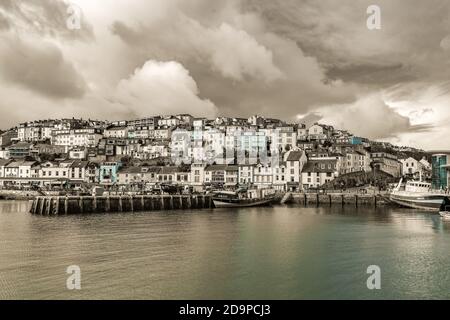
[300,61]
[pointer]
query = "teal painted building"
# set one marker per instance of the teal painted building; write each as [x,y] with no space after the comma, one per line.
[440,162]
[356,140]
[109,172]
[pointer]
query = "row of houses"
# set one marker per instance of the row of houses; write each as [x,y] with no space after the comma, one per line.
[297,171]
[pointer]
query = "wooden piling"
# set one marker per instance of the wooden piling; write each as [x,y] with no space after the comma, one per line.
[131,204]
[81,205]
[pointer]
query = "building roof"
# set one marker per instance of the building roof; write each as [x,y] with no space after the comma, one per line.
[216,167]
[315,166]
[79,164]
[116,128]
[16,164]
[4,162]
[171,169]
[295,155]
[21,145]
[130,170]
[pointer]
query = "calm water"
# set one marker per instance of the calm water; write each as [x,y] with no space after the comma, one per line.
[258,253]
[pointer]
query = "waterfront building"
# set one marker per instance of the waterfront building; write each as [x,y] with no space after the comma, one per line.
[263,176]
[138,177]
[78,172]
[386,162]
[440,161]
[279,177]
[174,174]
[414,168]
[245,172]
[354,161]
[3,164]
[231,177]
[56,170]
[295,161]
[215,175]
[198,176]
[21,169]
[318,172]
[108,172]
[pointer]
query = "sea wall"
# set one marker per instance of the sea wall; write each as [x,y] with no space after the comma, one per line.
[337,199]
[59,205]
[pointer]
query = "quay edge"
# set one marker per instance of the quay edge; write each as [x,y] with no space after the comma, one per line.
[61,205]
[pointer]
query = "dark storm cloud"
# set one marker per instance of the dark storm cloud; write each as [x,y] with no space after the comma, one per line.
[40,67]
[371,74]
[408,45]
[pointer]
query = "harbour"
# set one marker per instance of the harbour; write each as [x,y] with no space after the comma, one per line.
[301,252]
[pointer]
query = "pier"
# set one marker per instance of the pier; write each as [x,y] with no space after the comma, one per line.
[337,199]
[62,205]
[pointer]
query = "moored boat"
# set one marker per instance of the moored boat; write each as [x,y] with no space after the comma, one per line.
[417,195]
[232,199]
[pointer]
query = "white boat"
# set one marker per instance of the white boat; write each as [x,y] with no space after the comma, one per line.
[417,195]
[231,199]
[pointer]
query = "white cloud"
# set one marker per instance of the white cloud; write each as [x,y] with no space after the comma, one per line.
[162,88]
[369,117]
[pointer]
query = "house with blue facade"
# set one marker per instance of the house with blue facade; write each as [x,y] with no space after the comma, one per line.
[108,173]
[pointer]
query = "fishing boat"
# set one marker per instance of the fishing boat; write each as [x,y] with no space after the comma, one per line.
[444,210]
[240,199]
[417,195]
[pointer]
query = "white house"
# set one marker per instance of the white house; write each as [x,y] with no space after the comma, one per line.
[116,132]
[88,137]
[295,161]
[318,172]
[415,168]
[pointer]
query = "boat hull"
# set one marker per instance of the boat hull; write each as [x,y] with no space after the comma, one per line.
[428,202]
[225,203]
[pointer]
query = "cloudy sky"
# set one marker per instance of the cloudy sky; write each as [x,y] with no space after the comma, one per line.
[298,60]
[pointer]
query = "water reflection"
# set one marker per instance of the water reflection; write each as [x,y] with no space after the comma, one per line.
[261,253]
